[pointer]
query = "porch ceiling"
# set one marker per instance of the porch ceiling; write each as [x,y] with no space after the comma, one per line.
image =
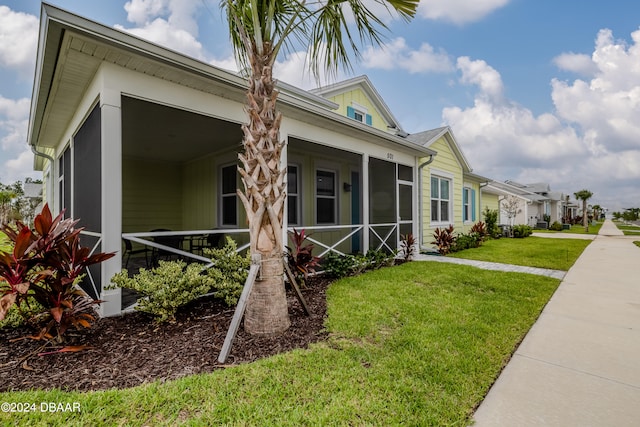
[158,132]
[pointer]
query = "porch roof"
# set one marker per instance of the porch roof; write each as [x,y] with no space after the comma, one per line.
[71,49]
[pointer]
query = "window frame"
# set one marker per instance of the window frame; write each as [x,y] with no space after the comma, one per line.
[223,196]
[297,195]
[335,198]
[438,221]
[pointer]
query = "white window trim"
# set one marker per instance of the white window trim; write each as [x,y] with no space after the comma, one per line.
[449,177]
[298,195]
[336,210]
[467,187]
[221,196]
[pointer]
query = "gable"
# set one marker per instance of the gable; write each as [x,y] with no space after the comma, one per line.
[446,159]
[356,101]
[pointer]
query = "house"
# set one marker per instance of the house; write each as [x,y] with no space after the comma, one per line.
[538,205]
[139,142]
[450,192]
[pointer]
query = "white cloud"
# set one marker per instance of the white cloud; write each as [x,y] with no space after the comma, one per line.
[18,40]
[170,23]
[19,168]
[591,141]
[398,55]
[458,11]
[606,107]
[14,115]
[576,63]
[480,73]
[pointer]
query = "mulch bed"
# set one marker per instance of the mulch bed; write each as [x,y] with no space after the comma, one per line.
[132,349]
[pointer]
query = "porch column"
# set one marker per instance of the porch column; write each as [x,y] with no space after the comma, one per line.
[365,202]
[284,161]
[111,187]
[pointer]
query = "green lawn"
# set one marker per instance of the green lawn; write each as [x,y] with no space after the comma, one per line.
[557,254]
[417,344]
[637,243]
[629,230]
[576,229]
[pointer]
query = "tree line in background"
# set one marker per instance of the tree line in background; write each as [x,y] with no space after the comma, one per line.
[15,203]
[629,214]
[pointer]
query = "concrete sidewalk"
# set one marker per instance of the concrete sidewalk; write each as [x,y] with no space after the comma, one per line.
[579,364]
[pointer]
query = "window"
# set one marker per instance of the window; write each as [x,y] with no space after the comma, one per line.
[64,181]
[293,205]
[229,202]
[359,115]
[326,202]
[468,204]
[440,199]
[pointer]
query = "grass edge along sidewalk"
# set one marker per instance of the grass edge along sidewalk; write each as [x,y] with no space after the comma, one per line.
[417,344]
[540,252]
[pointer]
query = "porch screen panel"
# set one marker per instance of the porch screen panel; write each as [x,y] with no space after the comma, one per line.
[383,206]
[87,206]
[87,184]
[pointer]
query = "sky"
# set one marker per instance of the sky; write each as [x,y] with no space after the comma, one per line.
[533,90]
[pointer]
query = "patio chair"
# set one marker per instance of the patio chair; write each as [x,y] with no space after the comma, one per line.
[209,241]
[170,241]
[128,251]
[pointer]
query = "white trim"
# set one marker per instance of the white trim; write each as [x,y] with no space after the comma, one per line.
[336,198]
[221,196]
[298,194]
[450,220]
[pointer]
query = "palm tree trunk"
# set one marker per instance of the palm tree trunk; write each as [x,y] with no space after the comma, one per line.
[585,217]
[263,199]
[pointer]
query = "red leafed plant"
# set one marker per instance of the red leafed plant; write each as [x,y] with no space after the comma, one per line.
[46,264]
[408,246]
[300,258]
[444,239]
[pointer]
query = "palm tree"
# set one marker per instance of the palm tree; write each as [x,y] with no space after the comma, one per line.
[260,30]
[584,195]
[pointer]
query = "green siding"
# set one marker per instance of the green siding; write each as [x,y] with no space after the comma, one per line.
[445,161]
[358,96]
[490,201]
[151,195]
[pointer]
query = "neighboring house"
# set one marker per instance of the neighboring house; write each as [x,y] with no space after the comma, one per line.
[132,137]
[536,201]
[450,192]
[34,196]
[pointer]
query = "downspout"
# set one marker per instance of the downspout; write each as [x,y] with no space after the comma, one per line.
[46,156]
[37,153]
[420,209]
[482,184]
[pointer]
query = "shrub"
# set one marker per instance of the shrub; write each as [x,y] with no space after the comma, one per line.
[26,313]
[407,246]
[444,238]
[337,266]
[300,259]
[165,288]
[556,226]
[466,241]
[491,220]
[522,230]
[377,258]
[46,264]
[228,272]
